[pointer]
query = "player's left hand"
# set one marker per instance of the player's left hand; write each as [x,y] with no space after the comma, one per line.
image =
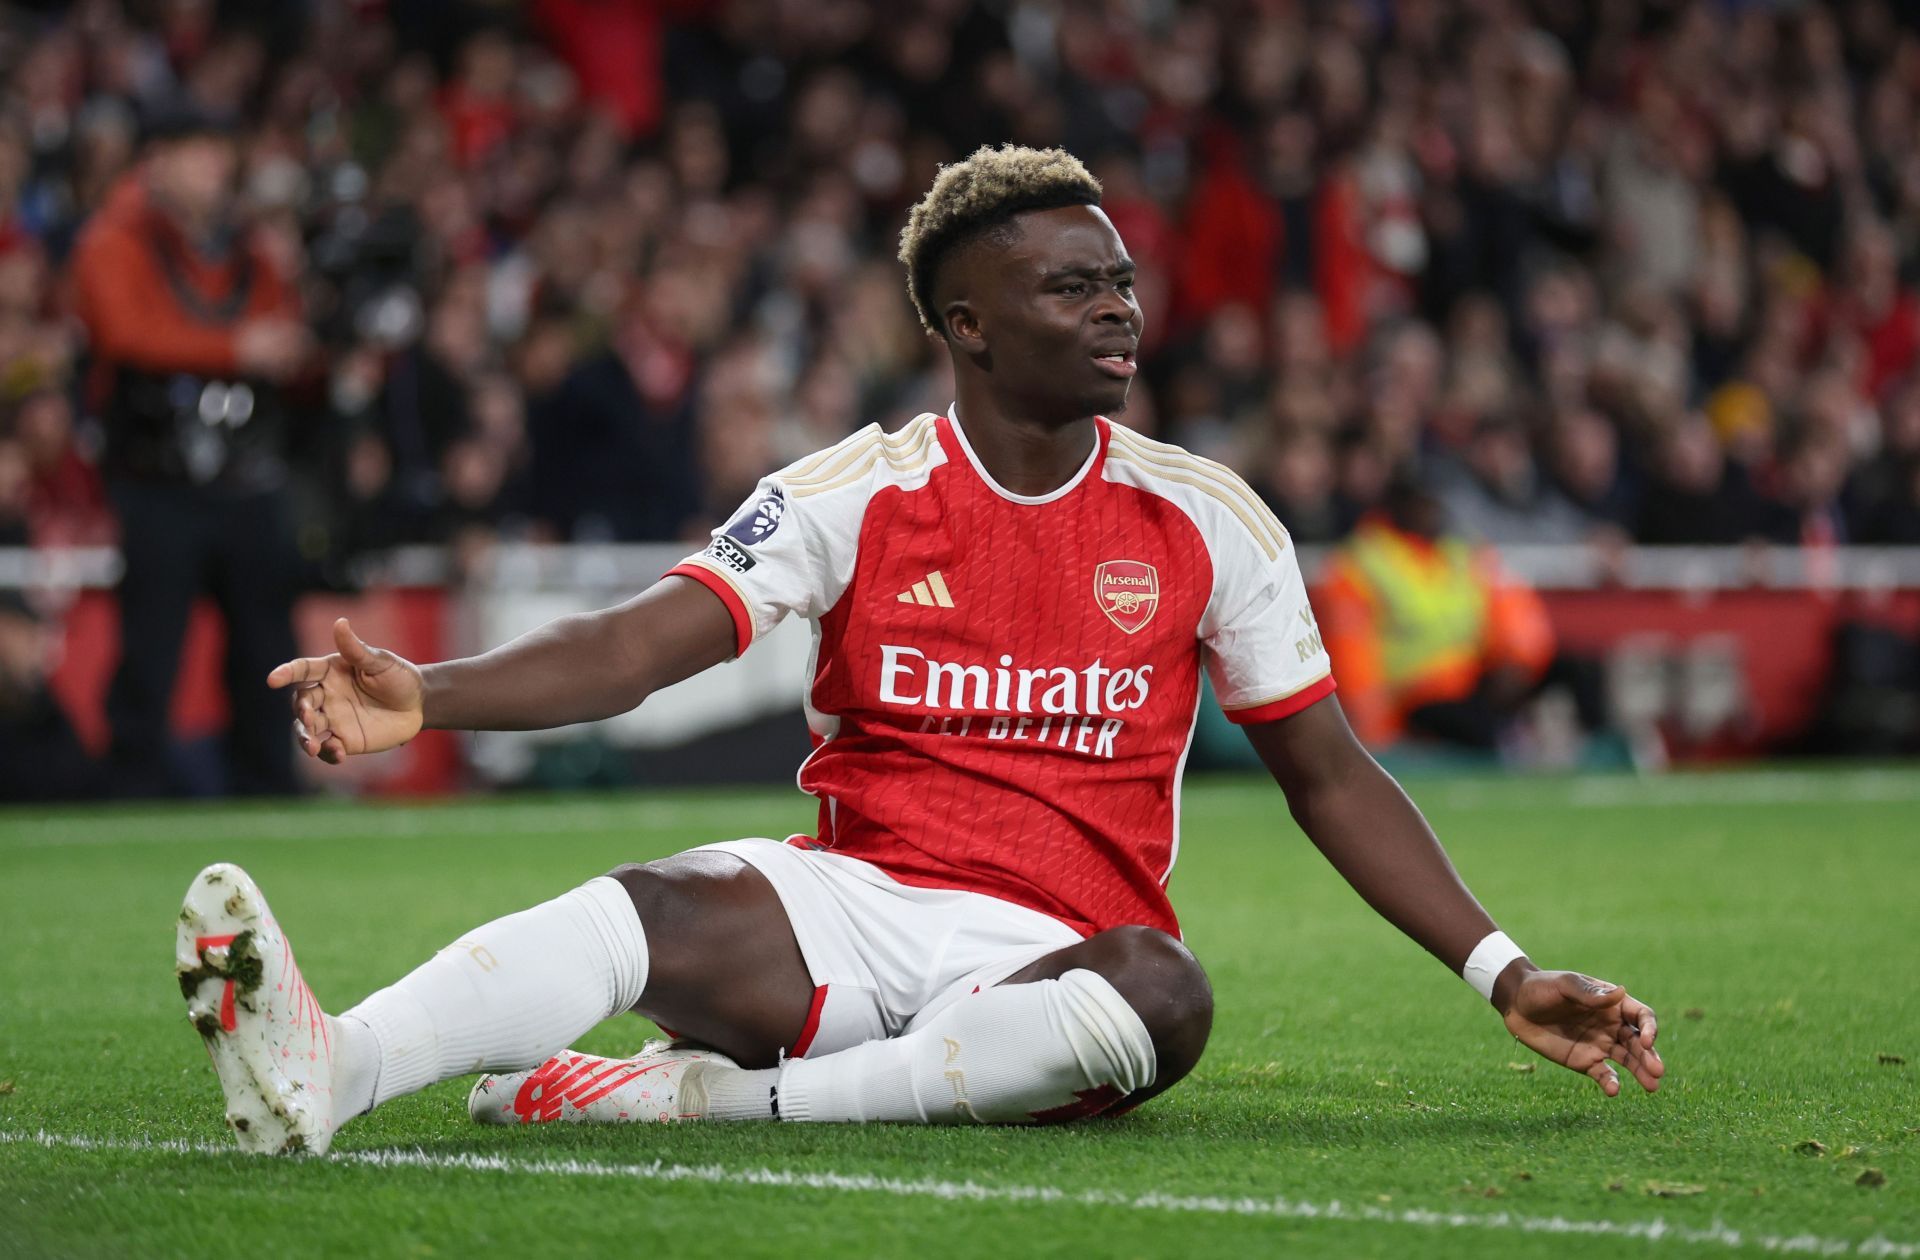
[1587,1025]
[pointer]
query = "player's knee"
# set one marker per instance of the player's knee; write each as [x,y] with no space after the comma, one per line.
[1165,985]
[689,897]
[644,887]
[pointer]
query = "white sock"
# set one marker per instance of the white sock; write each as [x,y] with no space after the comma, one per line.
[741,1093]
[504,996]
[1008,1055]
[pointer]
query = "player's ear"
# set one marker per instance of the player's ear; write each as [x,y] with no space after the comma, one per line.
[963,327]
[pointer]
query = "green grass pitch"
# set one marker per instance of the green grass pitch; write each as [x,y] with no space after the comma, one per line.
[1355,1099]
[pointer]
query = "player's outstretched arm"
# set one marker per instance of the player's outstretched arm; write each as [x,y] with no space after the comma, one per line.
[580,668]
[1358,817]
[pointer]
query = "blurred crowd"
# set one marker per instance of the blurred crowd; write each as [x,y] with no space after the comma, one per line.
[584,269]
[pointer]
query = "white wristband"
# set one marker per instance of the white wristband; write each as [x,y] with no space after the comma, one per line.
[1488,959]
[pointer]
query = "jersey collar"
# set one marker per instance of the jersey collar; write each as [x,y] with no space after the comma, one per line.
[952,435]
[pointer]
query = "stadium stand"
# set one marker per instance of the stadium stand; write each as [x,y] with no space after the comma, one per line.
[581,270]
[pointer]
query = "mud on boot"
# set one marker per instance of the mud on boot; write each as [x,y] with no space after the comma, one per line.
[262,1026]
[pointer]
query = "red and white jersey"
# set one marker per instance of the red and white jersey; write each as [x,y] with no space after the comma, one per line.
[1003,687]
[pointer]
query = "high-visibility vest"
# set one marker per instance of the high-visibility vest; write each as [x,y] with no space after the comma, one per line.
[1431,599]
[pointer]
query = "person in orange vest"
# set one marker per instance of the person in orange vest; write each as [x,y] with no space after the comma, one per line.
[1428,636]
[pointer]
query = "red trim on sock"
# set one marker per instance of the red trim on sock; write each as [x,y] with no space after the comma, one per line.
[1087,1102]
[812,1026]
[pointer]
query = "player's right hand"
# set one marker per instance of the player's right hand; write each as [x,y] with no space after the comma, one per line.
[359,700]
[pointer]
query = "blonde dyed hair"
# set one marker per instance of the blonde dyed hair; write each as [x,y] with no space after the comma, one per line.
[978,197]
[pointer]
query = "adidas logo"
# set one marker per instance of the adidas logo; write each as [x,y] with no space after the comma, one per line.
[929,592]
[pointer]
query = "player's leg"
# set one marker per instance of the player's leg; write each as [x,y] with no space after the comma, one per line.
[1100,1025]
[869,971]
[726,970]
[1104,1024]
[1064,1028]
[505,995]
[1158,976]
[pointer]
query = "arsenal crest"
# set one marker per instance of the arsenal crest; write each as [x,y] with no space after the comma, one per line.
[1128,591]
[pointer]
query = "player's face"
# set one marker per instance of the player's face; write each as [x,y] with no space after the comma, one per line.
[1059,315]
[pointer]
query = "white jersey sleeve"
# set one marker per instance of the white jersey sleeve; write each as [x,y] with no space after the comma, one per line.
[1261,645]
[791,547]
[1264,653]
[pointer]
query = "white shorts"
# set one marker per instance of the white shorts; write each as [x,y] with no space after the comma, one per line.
[886,956]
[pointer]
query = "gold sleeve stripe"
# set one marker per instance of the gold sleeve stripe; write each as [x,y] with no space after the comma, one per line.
[833,464]
[1166,453]
[1163,455]
[1261,524]
[1174,457]
[1160,453]
[850,475]
[909,459]
[1253,524]
[1157,447]
[807,465]
[911,455]
[909,436]
[847,455]
[1278,696]
[911,428]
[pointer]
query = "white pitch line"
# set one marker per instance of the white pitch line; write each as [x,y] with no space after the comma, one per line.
[1658,1229]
